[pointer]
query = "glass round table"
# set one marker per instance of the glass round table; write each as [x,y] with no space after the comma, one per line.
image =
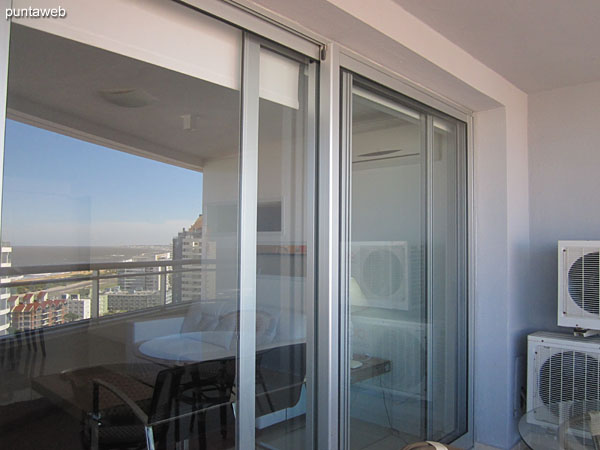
[562,426]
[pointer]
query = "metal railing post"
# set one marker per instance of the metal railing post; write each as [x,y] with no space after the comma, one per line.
[95,300]
[163,285]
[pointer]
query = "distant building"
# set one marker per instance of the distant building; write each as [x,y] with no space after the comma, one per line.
[103,302]
[130,301]
[5,261]
[189,286]
[80,307]
[13,301]
[164,285]
[53,312]
[28,316]
[130,279]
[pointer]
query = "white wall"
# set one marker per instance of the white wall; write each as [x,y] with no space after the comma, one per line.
[491,310]
[395,184]
[564,138]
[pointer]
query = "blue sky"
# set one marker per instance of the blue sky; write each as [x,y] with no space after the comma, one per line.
[63,191]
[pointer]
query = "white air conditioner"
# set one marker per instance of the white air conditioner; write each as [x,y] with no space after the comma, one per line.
[381,270]
[578,284]
[562,370]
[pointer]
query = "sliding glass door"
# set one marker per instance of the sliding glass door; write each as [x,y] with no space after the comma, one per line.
[277,248]
[403,270]
[158,233]
[285,252]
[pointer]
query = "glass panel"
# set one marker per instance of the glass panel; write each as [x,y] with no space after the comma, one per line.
[283,296]
[387,323]
[408,343]
[120,221]
[447,309]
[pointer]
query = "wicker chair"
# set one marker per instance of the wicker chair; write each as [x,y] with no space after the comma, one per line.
[180,394]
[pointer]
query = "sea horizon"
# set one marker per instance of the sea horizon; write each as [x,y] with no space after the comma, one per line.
[35,255]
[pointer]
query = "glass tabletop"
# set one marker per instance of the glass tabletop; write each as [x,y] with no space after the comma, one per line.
[562,426]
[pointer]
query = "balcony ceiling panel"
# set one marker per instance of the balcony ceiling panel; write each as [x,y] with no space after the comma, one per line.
[182,119]
[535,44]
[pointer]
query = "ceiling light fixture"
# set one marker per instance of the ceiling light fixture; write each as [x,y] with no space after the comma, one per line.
[128,97]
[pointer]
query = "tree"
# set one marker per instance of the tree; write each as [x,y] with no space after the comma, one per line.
[70,317]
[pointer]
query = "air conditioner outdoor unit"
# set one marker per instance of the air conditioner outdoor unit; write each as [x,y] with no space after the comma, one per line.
[562,371]
[381,270]
[578,284]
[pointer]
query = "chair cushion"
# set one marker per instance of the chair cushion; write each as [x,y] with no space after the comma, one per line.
[199,322]
[202,316]
[266,327]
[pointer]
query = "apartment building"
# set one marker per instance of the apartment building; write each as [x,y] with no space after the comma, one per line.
[187,286]
[130,279]
[53,312]
[131,301]
[5,261]
[28,298]
[80,307]
[27,316]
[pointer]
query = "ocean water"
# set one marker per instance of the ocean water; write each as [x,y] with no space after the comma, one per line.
[49,255]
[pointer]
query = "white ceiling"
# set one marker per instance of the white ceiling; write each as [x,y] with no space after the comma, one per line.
[535,44]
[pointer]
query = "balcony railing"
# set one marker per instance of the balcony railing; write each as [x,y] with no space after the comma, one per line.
[93,273]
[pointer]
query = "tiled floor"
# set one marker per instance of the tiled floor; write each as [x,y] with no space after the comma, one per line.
[364,436]
[289,435]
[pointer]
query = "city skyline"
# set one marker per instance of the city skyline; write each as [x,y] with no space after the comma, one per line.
[56,193]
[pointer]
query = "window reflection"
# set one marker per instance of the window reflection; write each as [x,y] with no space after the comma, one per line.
[284,249]
[119,270]
[69,203]
[407,309]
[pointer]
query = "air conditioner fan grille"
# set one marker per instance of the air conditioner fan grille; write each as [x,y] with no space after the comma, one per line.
[383,273]
[584,285]
[569,376]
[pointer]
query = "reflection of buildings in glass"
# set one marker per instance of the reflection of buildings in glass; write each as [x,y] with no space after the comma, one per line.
[80,307]
[26,316]
[37,314]
[135,283]
[129,301]
[103,303]
[4,292]
[189,286]
[163,283]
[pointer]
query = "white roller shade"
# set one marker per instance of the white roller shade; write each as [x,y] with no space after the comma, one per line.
[158,32]
[279,79]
